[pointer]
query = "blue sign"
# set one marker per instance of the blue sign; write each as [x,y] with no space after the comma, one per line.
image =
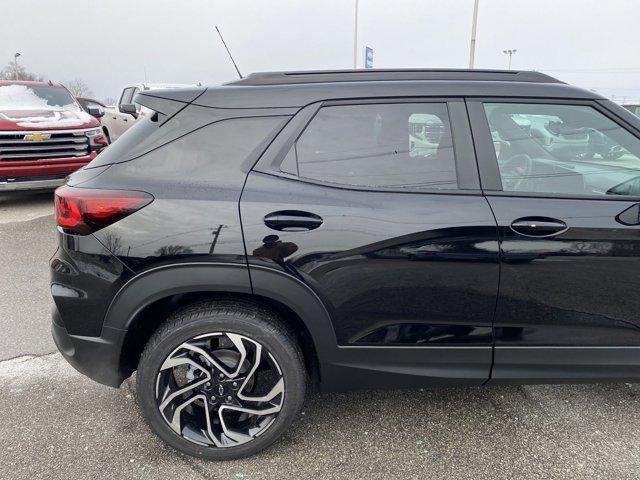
[368,57]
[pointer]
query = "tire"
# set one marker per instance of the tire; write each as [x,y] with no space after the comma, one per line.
[179,340]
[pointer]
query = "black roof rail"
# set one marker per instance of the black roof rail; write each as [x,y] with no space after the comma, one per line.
[327,76]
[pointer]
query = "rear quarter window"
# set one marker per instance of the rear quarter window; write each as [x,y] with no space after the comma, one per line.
[120,151]
[219,153]
[227,137]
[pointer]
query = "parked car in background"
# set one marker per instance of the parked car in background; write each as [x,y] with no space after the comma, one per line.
[355,229]
[45,134]
[126,113]
[93,108]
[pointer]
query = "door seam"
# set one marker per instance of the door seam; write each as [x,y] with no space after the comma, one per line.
[495,305]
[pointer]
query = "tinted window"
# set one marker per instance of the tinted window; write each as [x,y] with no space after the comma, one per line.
[563,149]
[208,152]
[210,155]
[400,145]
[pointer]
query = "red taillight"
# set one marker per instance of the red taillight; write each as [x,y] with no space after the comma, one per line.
[83,210]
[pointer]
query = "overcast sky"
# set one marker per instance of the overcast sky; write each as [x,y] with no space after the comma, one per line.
[110,43]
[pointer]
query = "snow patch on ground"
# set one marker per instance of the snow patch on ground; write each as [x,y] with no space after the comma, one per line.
[29,368]
[24,208]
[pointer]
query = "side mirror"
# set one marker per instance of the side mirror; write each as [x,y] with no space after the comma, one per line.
[129,108]
[95,111]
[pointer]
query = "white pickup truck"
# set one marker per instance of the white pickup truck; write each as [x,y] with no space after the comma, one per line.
[119,118]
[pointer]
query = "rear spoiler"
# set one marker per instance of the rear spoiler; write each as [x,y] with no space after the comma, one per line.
[168,101]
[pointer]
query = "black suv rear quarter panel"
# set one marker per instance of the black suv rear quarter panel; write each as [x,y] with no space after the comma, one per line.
[84,278]
[194,215]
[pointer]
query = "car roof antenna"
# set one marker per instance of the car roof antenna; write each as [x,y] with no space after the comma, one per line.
[227,48]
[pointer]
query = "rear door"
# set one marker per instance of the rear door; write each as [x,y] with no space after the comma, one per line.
[376,206]
[563,179]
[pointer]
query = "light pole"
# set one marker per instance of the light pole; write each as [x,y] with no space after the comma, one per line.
[15,65]
[510,53]
[474,26]
[355,39]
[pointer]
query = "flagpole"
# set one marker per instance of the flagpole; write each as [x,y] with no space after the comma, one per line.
[355,39]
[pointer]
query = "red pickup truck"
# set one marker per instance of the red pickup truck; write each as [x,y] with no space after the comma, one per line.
[44,135]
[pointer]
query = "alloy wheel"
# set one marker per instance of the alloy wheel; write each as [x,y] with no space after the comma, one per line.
[220,389]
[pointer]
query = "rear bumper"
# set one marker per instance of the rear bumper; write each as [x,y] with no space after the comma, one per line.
[96,357]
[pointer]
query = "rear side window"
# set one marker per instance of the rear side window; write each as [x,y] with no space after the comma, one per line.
[206,150]
[395,145]
[563,149]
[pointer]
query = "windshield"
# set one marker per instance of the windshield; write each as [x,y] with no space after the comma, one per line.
[35,97]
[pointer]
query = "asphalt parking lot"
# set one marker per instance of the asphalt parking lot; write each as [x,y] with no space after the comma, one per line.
[54,423]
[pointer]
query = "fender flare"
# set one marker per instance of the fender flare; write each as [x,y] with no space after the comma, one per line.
[163,281]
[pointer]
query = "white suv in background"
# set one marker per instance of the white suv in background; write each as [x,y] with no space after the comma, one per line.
[119,118]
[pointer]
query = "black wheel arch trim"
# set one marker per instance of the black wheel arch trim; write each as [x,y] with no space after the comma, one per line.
[163,281]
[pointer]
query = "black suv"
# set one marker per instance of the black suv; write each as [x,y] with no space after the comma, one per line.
[350,229]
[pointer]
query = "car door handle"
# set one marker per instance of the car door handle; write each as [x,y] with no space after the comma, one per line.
[538,226]
[125,119]
[292,221]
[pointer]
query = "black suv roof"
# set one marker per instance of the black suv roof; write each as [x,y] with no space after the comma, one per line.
[282,90]
[325,76]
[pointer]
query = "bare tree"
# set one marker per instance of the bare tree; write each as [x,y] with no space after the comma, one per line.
[78,87]
[110,101]
[169,250]
[15,71]
[112,244]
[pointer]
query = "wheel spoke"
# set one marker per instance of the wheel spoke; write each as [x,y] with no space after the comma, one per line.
[172,362]
[271,409]
[208,358]
[254,367]
[175,422]
[180,391]
[237,341]
[277,389]
[216,414]
[238,436]
[210,433]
